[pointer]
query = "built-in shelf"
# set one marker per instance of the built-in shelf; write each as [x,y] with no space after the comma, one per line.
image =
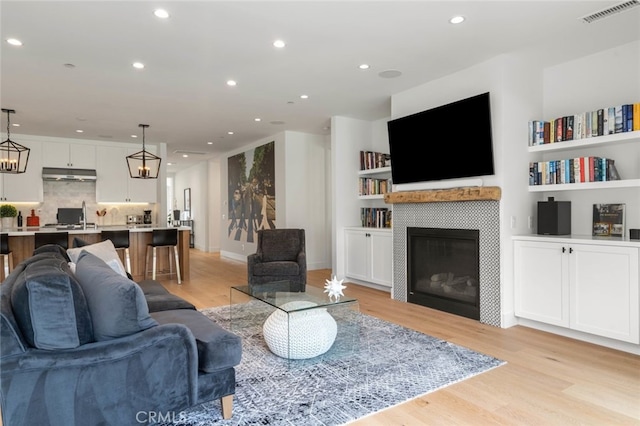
[627,183]
[614,139]
[378,171]
[371,197]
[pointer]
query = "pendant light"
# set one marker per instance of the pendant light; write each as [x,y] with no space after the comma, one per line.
[13,156]
[143,164]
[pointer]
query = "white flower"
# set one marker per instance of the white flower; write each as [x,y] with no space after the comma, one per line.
[334,288]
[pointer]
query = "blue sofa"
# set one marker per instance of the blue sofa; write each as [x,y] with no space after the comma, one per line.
[83,348]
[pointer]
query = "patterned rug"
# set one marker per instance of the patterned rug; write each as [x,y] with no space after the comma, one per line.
[372,365]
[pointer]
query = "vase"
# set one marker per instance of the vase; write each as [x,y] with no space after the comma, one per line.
[7,222]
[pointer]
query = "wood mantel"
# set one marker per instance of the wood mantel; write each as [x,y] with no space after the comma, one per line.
[468,193]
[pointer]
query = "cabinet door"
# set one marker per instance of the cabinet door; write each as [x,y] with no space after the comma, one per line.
[604,291]
[141,190]
[112,175]
[82,156]
[541,282]
[357,246]
[27,186]
[381,257]
[78,156]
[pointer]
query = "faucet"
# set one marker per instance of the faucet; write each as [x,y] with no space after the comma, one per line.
[84,215]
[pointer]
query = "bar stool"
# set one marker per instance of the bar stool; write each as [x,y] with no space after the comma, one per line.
[6,254]
[163,238]
[120,240]
[59,238]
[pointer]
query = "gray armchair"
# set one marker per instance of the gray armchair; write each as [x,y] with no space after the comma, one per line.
[280,255]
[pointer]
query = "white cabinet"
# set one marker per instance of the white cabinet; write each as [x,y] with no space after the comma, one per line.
[587,285]
[113,183]
[78,156]
[369,255]
[27,186]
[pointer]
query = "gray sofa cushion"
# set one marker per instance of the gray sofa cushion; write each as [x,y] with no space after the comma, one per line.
[159,298]
[49,305]
[276,268]
[117,305]
[217,348]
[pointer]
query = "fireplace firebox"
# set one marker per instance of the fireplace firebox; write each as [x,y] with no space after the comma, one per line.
[443,270]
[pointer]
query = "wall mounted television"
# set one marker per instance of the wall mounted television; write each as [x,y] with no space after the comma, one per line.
[452,141]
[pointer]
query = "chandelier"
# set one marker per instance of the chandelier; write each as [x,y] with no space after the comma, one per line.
[143,164]
[13,156]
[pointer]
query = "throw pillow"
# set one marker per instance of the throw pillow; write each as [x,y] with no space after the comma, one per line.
[105,250]
[117,304]
[79,242]
[50,307]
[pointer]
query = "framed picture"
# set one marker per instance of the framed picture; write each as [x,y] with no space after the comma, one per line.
[187,199]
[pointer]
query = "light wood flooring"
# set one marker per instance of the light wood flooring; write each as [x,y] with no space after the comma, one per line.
[548,379]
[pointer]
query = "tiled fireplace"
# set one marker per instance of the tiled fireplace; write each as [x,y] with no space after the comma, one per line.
[482,216]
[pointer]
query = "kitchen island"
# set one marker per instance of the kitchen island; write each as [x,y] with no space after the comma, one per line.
[21,243]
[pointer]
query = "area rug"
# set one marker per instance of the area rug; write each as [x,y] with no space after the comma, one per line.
[384,365]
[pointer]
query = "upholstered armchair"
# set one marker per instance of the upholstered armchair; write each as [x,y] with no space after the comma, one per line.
[280,255]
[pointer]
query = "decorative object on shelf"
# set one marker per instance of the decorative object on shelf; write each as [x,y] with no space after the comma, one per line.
[7,213]
[608,220]
[143,164]
[33,220]
[554,217]
[13,156]
[634,234]
[101,214]
[334,287]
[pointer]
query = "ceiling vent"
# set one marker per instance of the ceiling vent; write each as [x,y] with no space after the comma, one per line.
[182,151]
[605,13]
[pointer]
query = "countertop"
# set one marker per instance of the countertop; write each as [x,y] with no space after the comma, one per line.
[27,231]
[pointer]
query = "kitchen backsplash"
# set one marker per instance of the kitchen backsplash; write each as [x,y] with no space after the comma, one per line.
[71,195]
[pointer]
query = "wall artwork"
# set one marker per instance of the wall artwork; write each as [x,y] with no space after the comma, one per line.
[251,193]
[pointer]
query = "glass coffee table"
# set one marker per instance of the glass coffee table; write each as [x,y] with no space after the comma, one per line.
[297,325]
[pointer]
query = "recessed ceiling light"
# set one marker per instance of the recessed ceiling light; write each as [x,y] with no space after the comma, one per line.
[138,65]
[169,164]
[304,96]
[185,156]
[209,143]
[134,136]
[257,119]
[79,131]
[161,13]
[279,44]
[364,66]
[15,125]
[231,83]
[229,133]
[14,42]
[457,19]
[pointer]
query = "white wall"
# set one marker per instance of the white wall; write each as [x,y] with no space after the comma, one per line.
[300,188]
[196,178]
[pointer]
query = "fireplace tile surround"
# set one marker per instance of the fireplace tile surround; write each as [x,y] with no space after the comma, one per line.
[483,215]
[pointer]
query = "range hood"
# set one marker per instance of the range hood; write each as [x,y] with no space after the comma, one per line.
[55,173]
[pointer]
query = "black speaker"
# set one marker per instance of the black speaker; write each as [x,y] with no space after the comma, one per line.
[634,234]
[554,217]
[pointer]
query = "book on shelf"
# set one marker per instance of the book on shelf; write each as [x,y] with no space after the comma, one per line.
[601,122]
[375,217]
[608,220]
[374,160]
[572,170]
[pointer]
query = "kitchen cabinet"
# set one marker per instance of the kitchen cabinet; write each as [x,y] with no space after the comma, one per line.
[27,186]
[113,183]
[586,284]
[78,156]
[369,255]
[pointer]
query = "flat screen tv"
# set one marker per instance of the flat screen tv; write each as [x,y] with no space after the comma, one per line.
[451,141]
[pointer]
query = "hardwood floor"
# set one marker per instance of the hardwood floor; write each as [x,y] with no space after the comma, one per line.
[548,379]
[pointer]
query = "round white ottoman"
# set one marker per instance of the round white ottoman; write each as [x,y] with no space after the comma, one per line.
[312,332]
